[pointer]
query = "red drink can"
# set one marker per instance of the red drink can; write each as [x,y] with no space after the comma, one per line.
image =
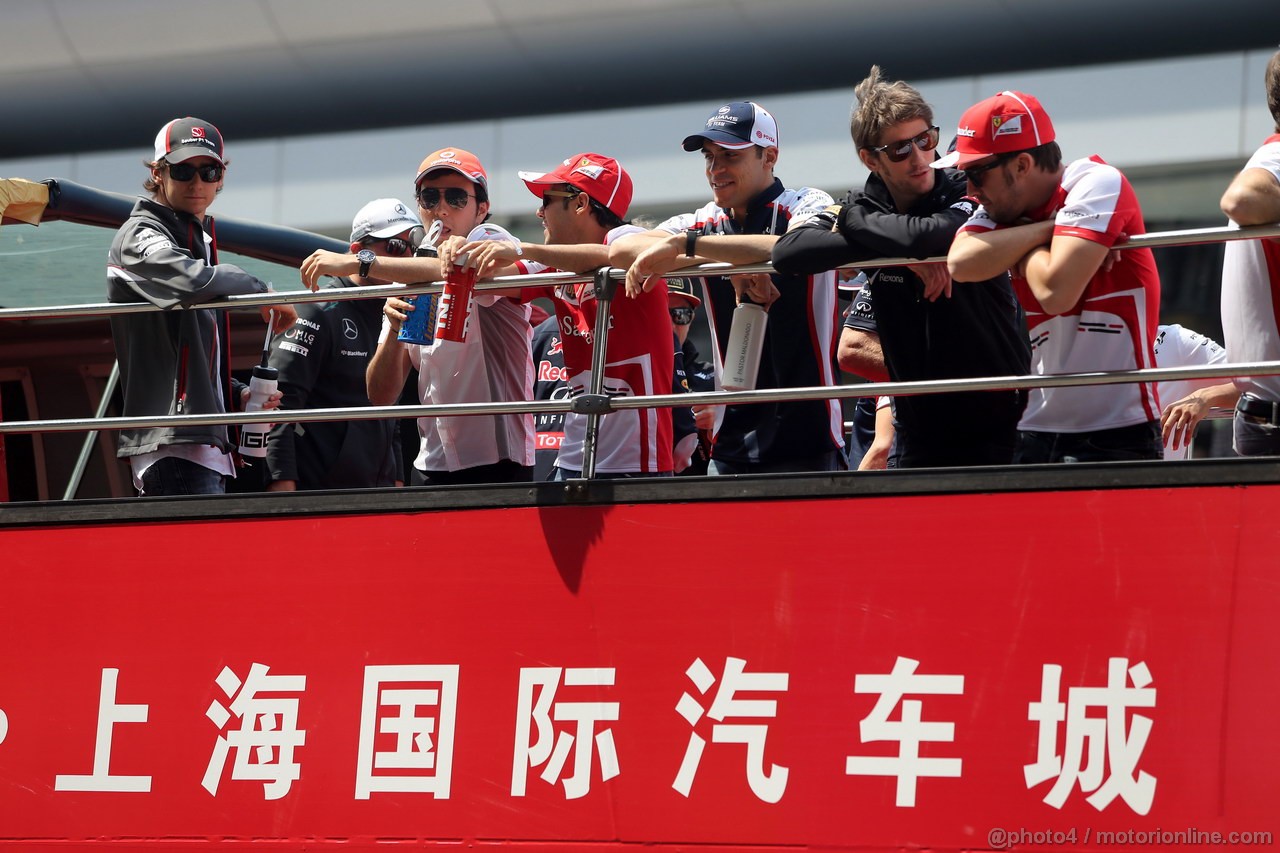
[455,302]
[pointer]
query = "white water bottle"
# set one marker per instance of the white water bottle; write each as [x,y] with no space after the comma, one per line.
[746,343]
[253,437]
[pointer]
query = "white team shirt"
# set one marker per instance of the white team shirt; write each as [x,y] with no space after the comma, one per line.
[1180,347]
[494,364]
[1111,327]
[639,350]
[1251,292]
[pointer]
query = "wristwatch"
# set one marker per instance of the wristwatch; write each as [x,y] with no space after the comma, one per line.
[366,257]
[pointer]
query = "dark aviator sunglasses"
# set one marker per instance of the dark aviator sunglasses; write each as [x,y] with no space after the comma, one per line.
[183,172]
[398,247]
[455,197]
[901,150]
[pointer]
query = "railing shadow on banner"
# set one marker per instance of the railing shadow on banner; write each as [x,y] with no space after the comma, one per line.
[594,402]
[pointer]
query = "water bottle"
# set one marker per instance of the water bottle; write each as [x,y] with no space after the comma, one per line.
[253,437]
[745,345]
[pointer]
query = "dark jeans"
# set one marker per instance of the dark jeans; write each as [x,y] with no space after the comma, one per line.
[505,471]
[997,448]
[1140,441]
[172,475]
[1253,438]
[833,460]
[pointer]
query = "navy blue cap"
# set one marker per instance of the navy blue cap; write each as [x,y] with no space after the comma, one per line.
[740,124]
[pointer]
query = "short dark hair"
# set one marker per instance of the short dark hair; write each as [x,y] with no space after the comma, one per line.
[1272,78]
[1047,157]
[604,217]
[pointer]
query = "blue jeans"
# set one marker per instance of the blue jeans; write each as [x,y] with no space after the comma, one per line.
[173,475]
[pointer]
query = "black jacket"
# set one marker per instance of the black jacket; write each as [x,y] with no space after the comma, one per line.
[169,363]
[979,331]
[322,360]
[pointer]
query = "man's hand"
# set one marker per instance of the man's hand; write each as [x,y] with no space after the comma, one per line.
[937,281]
[285,316]
[653,263]
[397,311]
[321,262]
[272,402]
[757,287]
[488,256]
[449,251]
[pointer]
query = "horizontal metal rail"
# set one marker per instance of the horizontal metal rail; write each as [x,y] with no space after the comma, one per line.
[1185,237]
[817,392]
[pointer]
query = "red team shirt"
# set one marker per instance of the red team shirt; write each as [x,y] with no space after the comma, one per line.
[640,360]
[1251,292]
[1111,327]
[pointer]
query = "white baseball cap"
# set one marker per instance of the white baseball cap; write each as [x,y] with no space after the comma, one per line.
[383,217]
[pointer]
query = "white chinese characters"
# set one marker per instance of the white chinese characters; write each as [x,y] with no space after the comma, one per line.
[418,762]
[268,732]
[910,731]
[767,786]
[536,705]
[1088,740]
[109,713]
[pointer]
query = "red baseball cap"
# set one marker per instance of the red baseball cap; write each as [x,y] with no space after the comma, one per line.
[1009,121]
[602,178]
[455,159]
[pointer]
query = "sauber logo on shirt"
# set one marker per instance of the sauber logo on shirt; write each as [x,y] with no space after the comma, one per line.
[1006,125]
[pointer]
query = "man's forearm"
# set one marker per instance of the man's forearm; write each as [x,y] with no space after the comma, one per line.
[384,378]
[980,255]
[1253,198]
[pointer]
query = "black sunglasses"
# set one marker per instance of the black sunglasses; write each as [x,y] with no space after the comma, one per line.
[681,316]
[456,198]
[548,195]
[183,172]
[395,247]
[901,150]
[977,174]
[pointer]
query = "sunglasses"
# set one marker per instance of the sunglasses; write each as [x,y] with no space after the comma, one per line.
[977,174]
[901,150]
[456,198]
[395,247]
[681,316]
[550,194]
[183,172]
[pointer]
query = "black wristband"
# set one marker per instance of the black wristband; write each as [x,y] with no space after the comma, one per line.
[690,239]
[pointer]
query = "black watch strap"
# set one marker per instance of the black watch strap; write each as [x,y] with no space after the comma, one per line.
[366,258]
[690,240]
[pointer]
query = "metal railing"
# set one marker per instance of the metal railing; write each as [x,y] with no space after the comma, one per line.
[595,403]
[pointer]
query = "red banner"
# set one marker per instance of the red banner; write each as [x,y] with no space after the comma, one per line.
[946,672]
